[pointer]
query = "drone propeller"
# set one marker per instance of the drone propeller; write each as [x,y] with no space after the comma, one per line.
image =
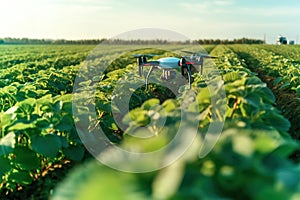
[143,55]
[189,52]
[199,54]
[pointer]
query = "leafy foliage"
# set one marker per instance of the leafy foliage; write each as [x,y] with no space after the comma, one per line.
[37,126]
[250,160]
[280,68]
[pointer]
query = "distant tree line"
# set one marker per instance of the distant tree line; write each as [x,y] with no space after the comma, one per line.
[144,42]
[9,40]
[234,41]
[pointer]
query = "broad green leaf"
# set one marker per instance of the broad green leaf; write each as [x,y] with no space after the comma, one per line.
[65,124]
[20,177]
[150,103]
[4,165]
[277,121]
[109,122]
[10,89]
[41,92]
[64,141]
[21,126]
[231,77]
[169,105]
[57,106]
[64,98]
[6,120]
[138,116]
[67,107]
[47,145]
[267,95]
[74,152]
[31,94]
[203,96]
[47,99]
[253,81]
[94,181]
[104,106]
[27,105]
[7,143]
[42,123]
[252,99]
[25,158]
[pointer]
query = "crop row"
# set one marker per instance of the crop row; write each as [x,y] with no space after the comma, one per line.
[39,127]
[290,52]
[36,121]
[282,75]
[36,118]
[284,69]
[249,160]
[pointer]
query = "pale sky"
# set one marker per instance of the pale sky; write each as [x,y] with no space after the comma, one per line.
[196,19]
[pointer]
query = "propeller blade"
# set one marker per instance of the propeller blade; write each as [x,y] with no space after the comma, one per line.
[188,52]
[151,55]
[137,55]
[143,55]
[206,56]
[199,55]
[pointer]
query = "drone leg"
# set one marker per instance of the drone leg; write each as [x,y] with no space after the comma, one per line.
[163,75]
[148,75]
[168,74]
[140,70]
[201,64]
[188,69]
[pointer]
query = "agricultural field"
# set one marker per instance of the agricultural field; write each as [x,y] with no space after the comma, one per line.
[57,98]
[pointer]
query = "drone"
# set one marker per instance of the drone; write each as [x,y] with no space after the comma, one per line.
[168,64]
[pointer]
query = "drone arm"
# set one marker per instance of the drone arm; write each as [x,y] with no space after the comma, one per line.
[148,75]
[151,63]
[183,65]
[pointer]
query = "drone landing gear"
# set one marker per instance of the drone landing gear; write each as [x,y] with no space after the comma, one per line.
[147,77]
[140,61]
[168,74]
[201,60]
[189,75]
